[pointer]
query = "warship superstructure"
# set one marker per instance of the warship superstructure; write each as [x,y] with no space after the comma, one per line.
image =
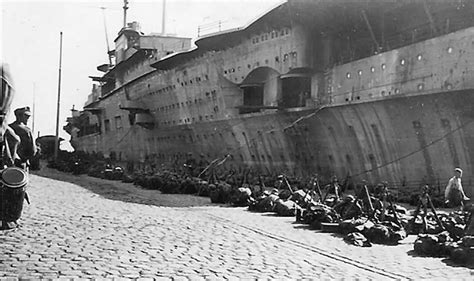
[375,90]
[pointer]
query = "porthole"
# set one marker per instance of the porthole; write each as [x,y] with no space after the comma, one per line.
[419,57]
[383,66]
[372,69]
[450,50]
[397,91]
[359,72]
[402,62]
[348,75]
[420,86]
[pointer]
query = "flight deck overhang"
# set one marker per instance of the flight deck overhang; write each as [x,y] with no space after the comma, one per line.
[101,79]
[104,67]
[134,107]
[174,59]
[94,110]
[298,73]
[275,18]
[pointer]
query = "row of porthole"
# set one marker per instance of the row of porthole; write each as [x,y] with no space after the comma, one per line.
[273,34]
[187,120]
[191,81]
[191,137]
[293,54]
[383,66]
[162,90]
[210,95]
[420,87]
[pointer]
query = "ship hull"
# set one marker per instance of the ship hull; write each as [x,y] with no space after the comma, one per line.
[407,141]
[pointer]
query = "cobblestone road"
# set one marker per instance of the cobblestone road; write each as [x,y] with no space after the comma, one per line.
[70,232]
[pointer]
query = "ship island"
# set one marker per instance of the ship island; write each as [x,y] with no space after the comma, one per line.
[367,90]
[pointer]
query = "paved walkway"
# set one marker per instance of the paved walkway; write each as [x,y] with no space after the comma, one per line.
[70,232]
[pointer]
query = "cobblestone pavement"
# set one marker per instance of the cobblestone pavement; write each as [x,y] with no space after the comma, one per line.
[70,232]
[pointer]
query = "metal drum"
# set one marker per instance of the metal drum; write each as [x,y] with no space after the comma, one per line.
[12,193]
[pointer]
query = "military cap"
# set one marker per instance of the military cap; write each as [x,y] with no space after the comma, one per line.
[22,110]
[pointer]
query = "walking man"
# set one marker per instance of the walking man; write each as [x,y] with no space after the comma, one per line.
[454,194]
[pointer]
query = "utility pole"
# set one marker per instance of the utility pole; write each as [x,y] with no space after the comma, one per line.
[163,18]
[56,140]
[34,107]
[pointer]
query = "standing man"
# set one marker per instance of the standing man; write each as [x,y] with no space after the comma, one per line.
[27,147]
[454,194]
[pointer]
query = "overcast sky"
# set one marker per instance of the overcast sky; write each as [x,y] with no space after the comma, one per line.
[30,43]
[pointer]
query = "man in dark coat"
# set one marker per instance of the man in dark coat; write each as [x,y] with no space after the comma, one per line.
[27,147]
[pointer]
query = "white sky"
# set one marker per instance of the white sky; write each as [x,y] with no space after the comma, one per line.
[30,43]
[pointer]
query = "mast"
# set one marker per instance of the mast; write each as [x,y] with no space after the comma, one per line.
[125,8]
[163,18]
[106,36]
[56,140]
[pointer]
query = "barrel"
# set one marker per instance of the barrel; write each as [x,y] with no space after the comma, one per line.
[13,182]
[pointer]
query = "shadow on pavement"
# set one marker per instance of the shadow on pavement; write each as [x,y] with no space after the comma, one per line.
[127,192]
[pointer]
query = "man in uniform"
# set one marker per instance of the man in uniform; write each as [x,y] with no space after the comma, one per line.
[27,147]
